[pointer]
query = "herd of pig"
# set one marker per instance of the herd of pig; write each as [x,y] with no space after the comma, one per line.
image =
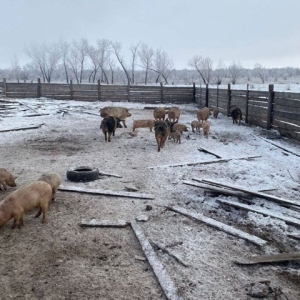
[39,194]
[164,128]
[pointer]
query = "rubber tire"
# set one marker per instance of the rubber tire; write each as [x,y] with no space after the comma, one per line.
[82,173]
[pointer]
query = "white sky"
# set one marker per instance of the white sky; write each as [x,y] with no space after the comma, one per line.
[252,31]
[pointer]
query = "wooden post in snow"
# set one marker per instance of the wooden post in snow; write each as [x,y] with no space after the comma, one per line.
[228,100]
[270,106]
[71,89]
[161,93]
[247,104]
[194,93]
[206,95]
[4,86]
[39,92]
[99,90]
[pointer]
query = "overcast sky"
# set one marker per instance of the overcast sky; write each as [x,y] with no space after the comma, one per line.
[249,32]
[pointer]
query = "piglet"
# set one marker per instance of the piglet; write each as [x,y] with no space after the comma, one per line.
[6,179]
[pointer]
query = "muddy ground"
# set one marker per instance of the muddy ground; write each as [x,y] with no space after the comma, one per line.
[61,260]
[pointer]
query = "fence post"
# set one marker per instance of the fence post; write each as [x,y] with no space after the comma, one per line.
[228,100]
[270,106]
[194,93]
[218,96]
[161,93]
[247,104]
[99,90]
[71,89]
[128,92]
[39,93]
[206,95]
[4,87]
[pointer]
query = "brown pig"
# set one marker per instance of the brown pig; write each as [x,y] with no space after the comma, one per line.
[206,128]
[180,127]
[159,113]
[143,124]
[37,194]
[6,179]
[174,114]
[203,114]
[196,125]
[215,112]
[162,131]
[54,179]
[176,136]
[120,113]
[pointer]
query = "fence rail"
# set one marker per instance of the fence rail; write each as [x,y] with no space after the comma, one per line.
[267,109]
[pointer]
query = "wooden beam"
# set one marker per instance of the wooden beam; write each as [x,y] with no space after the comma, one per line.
[255,193]
[263,211]
[79,189]
[218,225]
[164,249]
[205,162]
[268,258]
[22,128]
[160,272]
[104,223]
[278,146]
[209,152]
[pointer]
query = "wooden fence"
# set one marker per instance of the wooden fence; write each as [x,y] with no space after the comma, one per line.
[267,109]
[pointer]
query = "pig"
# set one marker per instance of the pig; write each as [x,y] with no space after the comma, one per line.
[176,136]
[215,112]
[54,179]
[143,124]
[196,125]
[206,128]
[180,127]
[236,114]
[37,194]
[120,113]
[174,114]
[109,126]
[203,114]
[6,179]
[162,131]
[159,113]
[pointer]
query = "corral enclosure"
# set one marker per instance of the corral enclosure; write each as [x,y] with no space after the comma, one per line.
[62,260]
[267,109]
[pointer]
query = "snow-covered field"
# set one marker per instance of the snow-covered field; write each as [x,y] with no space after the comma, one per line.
[61,251]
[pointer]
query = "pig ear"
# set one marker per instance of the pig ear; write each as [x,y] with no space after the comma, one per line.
[15,177]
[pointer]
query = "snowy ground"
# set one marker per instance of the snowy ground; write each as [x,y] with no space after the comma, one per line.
[60,260]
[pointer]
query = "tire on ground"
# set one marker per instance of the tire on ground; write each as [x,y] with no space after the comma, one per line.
[82,173]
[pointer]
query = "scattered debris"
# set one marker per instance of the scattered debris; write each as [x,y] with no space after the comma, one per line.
[104,192]
[162,276]
[252,260]
[164,249]
[22,128]
[260,289]
[131,188]
[142,218]
[209,152]
[108,174]
[148,207]
[221,226]
[104,223]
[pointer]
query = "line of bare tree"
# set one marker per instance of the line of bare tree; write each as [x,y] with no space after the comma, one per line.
[81,62]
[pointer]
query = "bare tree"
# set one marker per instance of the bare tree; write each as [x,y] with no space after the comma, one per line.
[220,72]
[94,57]
[46,57]
[64,50]
[15,68]
[112,67]
[203,66]
[146,55]
[103,47]
[235,71]
[261,72]
[162,65]
[117,47]
[134,56]
[77,58]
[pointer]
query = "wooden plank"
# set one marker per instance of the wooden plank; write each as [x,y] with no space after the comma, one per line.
[263,211]
[219,225]
[22,128]
[209,152]
[104,223]
[252,192]
[281,147]
[221,160]
[160,272]
[104,192]
[268,258]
